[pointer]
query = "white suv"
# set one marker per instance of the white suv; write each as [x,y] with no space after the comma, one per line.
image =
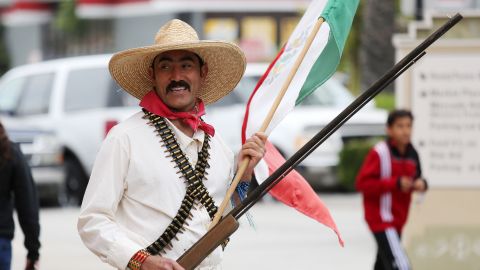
[60,111]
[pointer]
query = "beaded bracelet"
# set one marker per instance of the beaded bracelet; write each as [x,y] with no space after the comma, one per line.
[137,259]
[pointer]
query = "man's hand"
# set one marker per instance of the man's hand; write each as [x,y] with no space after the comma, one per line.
[31,265]
[406,184]
[419,185]
[254,147]
[155,262]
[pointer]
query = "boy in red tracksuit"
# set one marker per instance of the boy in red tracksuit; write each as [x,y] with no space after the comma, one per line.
[389,174]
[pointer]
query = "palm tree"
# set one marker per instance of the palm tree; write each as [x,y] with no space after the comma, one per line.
[376,49]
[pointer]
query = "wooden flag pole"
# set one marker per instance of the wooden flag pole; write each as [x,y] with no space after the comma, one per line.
[244,164]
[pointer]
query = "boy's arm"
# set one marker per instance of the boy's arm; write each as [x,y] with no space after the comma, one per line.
[368,179]
[420,183]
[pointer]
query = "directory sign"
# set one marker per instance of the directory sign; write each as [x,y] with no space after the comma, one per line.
[446,106]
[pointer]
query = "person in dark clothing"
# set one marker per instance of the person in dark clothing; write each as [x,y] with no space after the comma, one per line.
[390,173]
[18,191]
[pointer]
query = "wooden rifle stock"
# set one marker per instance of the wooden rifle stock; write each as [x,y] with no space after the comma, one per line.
[229,224]
[209,242]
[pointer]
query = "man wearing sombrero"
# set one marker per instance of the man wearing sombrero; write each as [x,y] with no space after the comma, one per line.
[160,175]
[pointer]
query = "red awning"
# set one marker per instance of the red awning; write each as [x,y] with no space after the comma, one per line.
[28,5]
[108,2]
[22,12]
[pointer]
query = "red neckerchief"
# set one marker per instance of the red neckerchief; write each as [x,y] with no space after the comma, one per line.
[152,103]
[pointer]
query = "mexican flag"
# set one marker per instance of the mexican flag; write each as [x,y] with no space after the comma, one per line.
[319,64]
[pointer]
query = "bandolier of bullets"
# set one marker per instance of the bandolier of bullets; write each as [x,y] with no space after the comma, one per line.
[193,177]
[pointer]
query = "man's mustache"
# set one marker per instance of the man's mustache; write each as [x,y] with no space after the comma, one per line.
[174,84]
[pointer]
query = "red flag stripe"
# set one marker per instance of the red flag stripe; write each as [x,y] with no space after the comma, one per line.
[293,190]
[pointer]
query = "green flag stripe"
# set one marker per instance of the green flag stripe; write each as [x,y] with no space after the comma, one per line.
[339,15]
[321,71]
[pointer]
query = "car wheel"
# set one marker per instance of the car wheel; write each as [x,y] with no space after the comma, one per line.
[74,185]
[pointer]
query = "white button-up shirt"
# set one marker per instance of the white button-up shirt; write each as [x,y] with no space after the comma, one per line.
[134,192]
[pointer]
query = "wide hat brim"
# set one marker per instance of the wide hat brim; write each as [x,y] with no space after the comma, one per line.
[226,66]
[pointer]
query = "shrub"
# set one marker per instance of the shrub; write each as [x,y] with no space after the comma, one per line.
[385,100]
[351,159]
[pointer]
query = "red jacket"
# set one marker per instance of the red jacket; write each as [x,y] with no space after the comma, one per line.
[385,205]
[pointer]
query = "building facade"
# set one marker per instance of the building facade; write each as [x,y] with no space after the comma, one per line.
[36,30]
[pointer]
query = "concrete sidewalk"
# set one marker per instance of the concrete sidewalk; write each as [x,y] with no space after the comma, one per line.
[282,239]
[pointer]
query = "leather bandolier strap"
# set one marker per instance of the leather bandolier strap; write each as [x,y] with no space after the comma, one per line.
[193,177]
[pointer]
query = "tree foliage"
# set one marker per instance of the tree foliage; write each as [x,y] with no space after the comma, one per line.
[4,57]
[66,19]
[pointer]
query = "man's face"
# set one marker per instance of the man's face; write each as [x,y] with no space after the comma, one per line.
[401,130]
[177,77]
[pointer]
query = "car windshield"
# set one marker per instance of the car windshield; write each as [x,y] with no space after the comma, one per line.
[330,94]
[10,93]
[240,94]
[82,84]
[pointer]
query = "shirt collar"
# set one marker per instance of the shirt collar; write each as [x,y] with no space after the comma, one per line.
[184,140]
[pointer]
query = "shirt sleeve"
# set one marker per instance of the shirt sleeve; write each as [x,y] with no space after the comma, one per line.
[96,225]
[26,204]
[418,173]
[368,179]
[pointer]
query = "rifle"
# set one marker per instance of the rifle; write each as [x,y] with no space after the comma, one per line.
[229,224]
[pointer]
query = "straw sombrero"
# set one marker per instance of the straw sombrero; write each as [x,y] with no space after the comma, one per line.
[226,62]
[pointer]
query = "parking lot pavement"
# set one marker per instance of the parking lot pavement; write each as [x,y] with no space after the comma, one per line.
[282,239]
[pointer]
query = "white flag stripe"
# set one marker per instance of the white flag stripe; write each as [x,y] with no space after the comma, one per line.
[266,94]
[261,171]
